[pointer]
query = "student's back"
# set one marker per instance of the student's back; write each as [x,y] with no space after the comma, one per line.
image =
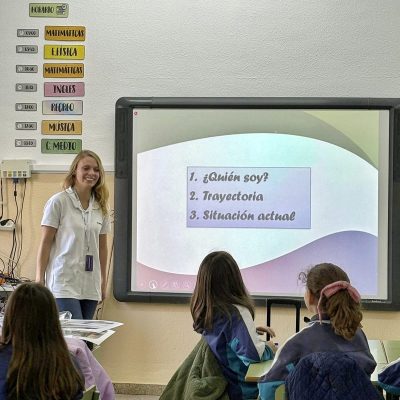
[235,344]
[35,363]
[335,327]
[223,313]
[315,337]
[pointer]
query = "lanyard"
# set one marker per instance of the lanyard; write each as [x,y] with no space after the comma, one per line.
[87,220]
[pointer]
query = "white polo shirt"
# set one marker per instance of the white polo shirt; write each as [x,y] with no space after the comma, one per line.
[65,274]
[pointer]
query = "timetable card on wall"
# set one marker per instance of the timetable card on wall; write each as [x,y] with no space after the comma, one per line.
[73,107]
[48,10]
[26,126]
[65,33]
[27,69]
[64,89]
[26,87]
[61,127]
[64,52]
[25,142]
[53,70]
[27,32]
[27,48]
[25,107]
[61,146]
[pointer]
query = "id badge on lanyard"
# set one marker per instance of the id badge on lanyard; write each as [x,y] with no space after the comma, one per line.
[89,263]
[87,223]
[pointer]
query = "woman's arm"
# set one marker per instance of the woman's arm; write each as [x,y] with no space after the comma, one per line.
[46,241]
[248,345]
[103,255]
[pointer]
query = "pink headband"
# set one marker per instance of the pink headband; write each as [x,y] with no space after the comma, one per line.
[332,288]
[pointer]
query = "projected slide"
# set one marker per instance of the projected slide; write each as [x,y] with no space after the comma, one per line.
[278,202]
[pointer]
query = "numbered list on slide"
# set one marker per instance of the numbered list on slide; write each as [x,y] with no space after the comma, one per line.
[247,197]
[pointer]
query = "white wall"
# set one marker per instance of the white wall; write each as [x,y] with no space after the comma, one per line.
[329,48]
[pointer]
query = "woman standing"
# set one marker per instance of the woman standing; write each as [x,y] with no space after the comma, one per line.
[72,254]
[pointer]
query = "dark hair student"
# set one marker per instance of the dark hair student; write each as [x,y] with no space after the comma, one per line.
[223,312]
[219,285]
[35,363]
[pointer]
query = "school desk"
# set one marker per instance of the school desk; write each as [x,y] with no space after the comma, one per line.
[383,351]
[392,349]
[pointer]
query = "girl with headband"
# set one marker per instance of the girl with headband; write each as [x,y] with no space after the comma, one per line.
[335,326]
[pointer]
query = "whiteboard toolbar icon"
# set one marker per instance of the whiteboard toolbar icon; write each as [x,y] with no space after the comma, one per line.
[153,284]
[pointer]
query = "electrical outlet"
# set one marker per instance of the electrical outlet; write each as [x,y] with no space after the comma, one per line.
[8,226]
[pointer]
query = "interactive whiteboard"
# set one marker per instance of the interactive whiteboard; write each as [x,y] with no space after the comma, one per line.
[281,184]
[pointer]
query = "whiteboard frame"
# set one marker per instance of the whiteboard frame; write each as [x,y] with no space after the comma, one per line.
[124,109]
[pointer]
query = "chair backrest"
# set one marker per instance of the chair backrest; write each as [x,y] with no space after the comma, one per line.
[329,374]
[89,393]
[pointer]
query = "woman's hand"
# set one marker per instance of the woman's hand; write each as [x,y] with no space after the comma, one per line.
[272,346]
[46,242]
[265,329]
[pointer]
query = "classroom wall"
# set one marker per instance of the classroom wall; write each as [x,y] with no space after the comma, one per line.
[155,338]
[190,48]
[200,48]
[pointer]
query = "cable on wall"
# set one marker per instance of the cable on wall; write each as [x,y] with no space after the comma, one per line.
[100,307]
[10,267]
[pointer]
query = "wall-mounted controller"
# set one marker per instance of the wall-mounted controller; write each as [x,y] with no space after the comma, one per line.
[15,169]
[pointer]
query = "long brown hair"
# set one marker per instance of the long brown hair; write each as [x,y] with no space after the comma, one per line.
[344,313]
[219,286]
[100,190]
[41,367]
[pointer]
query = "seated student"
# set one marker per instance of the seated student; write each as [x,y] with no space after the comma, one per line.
[335,327]
[198,377]
[35,362]
[92,370]
[223,313]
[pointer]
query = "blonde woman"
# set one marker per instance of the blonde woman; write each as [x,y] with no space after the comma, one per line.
[72,254]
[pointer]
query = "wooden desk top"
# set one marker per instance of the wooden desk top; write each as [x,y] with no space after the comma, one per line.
[392,349]
[257,370]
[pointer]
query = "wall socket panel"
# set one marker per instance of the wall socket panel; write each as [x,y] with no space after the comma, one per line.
[9,226]
[15,169]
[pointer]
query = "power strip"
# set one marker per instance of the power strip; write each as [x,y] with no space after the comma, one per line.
[15,169]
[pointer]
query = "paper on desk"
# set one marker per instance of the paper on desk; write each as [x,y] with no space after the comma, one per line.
[88,325]
[94,337]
